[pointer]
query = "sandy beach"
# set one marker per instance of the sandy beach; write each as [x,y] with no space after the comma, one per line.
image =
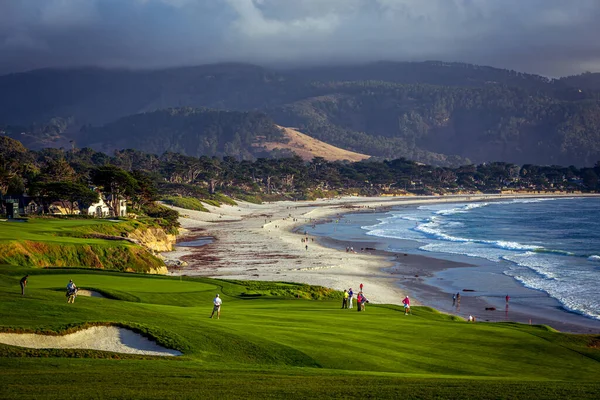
[265,242]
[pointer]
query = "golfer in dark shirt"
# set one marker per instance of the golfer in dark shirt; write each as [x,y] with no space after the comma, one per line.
[23,284]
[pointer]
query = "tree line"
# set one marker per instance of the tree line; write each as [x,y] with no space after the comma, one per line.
[142,178]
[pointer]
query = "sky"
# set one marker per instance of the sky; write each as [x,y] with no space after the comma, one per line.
[549,37]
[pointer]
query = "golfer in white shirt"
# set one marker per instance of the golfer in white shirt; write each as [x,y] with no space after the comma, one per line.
[217,306]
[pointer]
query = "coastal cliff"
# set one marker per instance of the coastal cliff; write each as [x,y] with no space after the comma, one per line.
[154,239]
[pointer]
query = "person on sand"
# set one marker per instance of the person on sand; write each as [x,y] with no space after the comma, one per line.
[23,283]
[507,299]
[345,300]
[458,299]
[406,303]
[217,306]
[350,296]
[453,299]
[361,287]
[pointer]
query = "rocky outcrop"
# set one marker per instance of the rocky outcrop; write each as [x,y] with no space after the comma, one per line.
[155,239]
[158,271]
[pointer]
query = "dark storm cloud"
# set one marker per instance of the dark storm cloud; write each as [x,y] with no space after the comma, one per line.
[552,37]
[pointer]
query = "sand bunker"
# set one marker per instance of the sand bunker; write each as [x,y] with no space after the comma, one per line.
[105,338]
[89,293]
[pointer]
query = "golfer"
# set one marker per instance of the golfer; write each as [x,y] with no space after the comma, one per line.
[23,283]
[406,303]
[217,306]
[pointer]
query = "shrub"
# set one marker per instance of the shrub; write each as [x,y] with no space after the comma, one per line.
[165,217]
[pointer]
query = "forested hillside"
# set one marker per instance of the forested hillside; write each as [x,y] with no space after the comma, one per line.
[193,132]
[493,122]
[432,112]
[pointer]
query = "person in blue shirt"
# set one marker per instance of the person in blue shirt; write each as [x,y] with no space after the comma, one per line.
[350,296]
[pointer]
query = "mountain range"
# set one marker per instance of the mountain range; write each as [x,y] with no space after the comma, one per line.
[432,112]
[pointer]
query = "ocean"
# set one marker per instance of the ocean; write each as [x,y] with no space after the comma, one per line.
[549,245]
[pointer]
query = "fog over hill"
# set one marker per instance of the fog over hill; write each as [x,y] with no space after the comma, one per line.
[548,37]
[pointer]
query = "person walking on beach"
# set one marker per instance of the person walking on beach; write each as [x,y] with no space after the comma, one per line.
[217,306]
[453,299]
[345,300]
[23,283]
[361,287]
[458,299]
[507,299]
[406,303]
[350,296]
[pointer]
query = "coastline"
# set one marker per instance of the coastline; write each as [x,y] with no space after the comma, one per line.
[262,242]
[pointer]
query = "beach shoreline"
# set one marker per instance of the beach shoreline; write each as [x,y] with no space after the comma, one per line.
[267,242]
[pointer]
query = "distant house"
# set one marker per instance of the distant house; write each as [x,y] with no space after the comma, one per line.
[99,209]
[64,207]
[17,206]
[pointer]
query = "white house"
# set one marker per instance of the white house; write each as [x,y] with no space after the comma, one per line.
[99,209]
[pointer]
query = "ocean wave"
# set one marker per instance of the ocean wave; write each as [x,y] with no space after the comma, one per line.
[463,250]
[573,296]
[411,218]
[542,266]
[431,228]
[462,209]
[554,251]
[534,200]
[594,258]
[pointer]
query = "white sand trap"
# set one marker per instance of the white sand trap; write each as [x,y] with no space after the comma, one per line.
[89,293]
[105,338]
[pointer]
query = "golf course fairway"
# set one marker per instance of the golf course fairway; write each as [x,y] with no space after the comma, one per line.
[274,340]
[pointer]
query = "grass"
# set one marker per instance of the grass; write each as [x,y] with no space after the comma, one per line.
[189,203]
[74,242]
[274,340]
[192,203]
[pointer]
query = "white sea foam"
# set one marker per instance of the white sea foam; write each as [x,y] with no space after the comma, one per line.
[594,258]
[411,218]
[573,295]
[536,200]
[468,249]
[462,209]
[433,228]
[543,266]
[572,286]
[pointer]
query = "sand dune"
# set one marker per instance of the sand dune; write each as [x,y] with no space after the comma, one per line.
[308,147]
